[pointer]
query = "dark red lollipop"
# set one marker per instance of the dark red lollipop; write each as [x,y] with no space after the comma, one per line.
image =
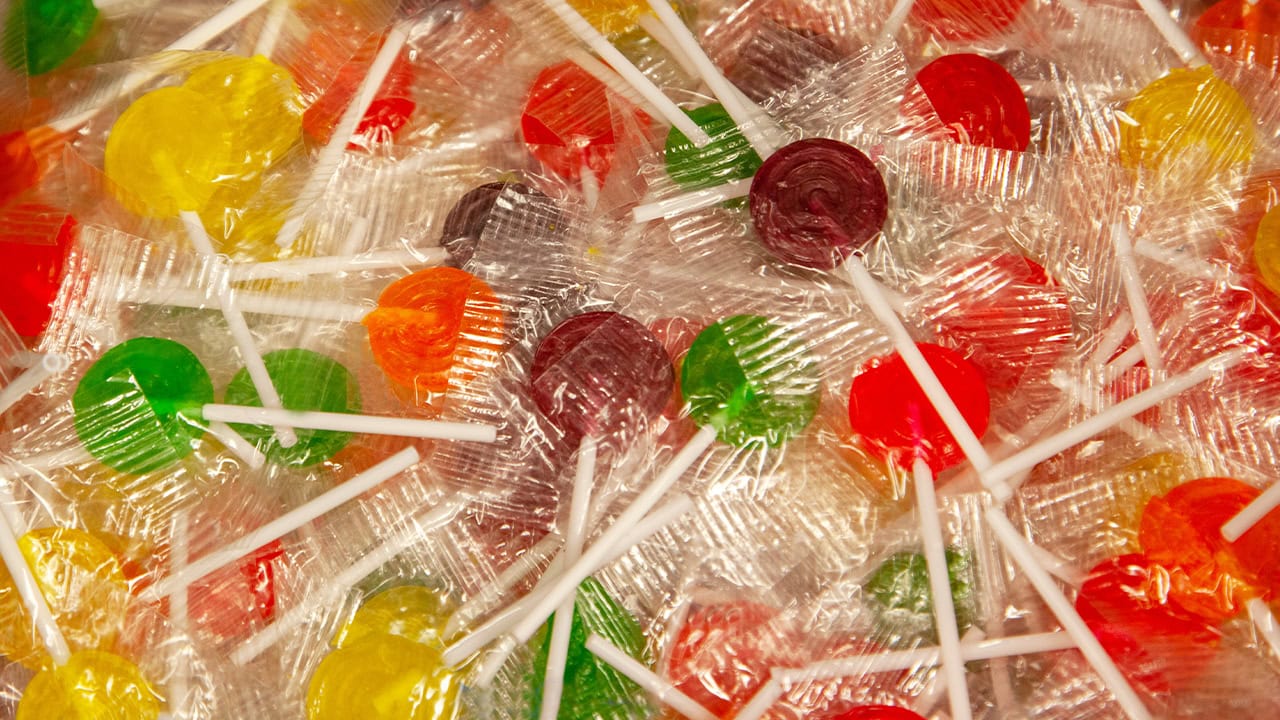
[966,19]
[600,373]
[816,202]
[973,100]
[532,211]
[1156,644]
[896,422]
[778,56]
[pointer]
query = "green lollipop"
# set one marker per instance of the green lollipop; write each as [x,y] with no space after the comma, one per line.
[305,380]
[50,30]
[138,408]
[900,586]
[726,158]
[750,381]
[592,689]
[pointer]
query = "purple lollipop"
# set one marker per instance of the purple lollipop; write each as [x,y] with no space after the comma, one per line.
[601,374]
[815,202]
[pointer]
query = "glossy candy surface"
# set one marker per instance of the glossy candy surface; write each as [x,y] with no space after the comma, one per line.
[751,380]
[896,422]
[815,202]
[975,100]
[138,408]
[726,158]
[305,380]
[528,208]
[599,374]
[93,685]
[900,588]
[51,31]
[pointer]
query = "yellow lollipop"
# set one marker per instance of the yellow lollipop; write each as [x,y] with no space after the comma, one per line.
[262,103]
[1266,249]
[1134,486]
[611,17]
[1189,125]
[412,612]
[92,685]
[167,150]
[82,582]
[383,677]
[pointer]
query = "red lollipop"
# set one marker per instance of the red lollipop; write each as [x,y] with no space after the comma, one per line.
[600,373]
[1002,313]
[1156,644]
[879,712]
[966,19]
[34,247]
[974,100]
[568,122]
[1243,30]
[896,422]
[391,109]
[816,202]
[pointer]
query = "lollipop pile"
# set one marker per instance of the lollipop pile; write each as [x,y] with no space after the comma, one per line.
[610,360]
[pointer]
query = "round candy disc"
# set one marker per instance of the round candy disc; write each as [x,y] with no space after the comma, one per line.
[1244,30]
[726,158]
[725,652]
[593,690]
[138,408]
[412,612]
[1157,645]
[33,262]
[392,106]
[435,328]
[815,202]
[54,30]
[305,380]
[383,677]
[897,423]
[1208,576]
[567,122]
[18,168]
[611,17]
[750,380]
[1188,124]
[168,150]
[879,712]
[974,100]
[83,584]
[530,210]
[966,19]
[1266,250]
[900,587]
[600,373]
[93,684]
[262,104]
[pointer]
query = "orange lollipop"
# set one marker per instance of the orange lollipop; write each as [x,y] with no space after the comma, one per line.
[434,329]
[1244,30]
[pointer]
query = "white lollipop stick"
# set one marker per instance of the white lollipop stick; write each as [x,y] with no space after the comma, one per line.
[238,446]
[1110,340]
[198,37]
[765,697]
[659,32]
[944,609]
[1072,623]
[1137,297]
[239,329]
[178,551]
[751,120]
[1252,513]
[306,267]
[1173,33]
[946,408]
[558,651]
[286,523]
[1124,361]
[31,378]
[331,590]
[1188,264]
[478,604]
[662,517]
[1265,622]
[344,422]
[331,155]
[611,80]
[271,28]
[668,110]
[28,588]
[1088,400]
[257,304]
[1044,449]
[620,534]
[893,24]
[660,688]
[686,203]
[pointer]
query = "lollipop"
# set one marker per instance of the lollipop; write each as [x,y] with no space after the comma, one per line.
[50,30]
[1245,30]
[388,112]
[728,157]
[900,587]
[34,262]
[966,19]
[974,100]
[530,208]
[434,329]
[1266,249]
